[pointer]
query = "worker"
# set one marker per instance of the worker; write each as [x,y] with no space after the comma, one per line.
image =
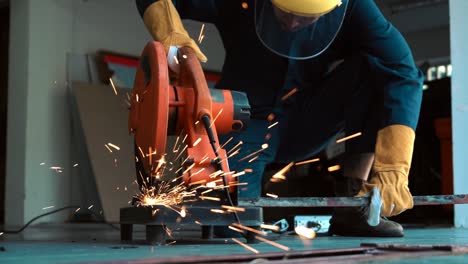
[318,68]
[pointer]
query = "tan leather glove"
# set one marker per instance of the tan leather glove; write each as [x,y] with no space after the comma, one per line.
[393,153]
[164,24]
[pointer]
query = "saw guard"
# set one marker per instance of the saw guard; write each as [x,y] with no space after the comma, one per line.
[150,105]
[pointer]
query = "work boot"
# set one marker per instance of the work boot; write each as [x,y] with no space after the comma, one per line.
[352,221]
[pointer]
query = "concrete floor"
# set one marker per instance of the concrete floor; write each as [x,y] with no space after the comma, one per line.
[75,243]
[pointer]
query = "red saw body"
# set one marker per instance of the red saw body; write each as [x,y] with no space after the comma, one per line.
[188,109]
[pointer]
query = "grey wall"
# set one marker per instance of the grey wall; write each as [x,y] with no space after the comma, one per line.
[38,116]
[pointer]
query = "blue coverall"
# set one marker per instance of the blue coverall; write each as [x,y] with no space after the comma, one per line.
[375,84]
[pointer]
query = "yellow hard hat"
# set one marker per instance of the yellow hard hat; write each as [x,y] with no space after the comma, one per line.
[307,8]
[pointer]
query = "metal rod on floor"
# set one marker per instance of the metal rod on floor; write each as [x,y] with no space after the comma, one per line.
[346,201]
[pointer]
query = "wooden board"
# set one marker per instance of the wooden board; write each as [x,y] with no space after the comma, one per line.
[103,116]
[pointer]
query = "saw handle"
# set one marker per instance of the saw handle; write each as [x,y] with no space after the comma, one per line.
[191,75]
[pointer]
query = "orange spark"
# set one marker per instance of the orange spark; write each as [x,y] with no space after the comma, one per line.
[286,96]
[245,246]
[272,195]
[280,173]
[196,142]
[270,227]
[153,212]
[180,153]
[141,151]
[253,159]
[307,161]
[278,245]
[264,146]
[207,191]
[227,141]
[216,174]
[234,153]
[211,184]
[233,208]
[238,174]
[183,212]
[239,184]
[113,86]
[114,146]
[258,232]
[189,168]
[200,35]
[217,211]
[349,137]
[203,160]
[238,144]
[197,182]
[175,144]
[216,117]
[110,150]
[272,125]
[195,173]
[236,229]
[334,168]
[210,198]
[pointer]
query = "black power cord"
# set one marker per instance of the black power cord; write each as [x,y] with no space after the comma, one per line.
[53,212]
[207,123]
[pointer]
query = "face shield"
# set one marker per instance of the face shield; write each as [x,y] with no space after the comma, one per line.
[298,29]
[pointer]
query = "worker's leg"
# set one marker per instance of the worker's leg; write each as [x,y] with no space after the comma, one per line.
[363,115]
[346,99]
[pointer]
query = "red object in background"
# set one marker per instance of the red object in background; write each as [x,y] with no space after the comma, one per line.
[121,60]
[443,128]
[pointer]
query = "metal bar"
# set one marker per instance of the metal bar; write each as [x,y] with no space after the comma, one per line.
[346,201]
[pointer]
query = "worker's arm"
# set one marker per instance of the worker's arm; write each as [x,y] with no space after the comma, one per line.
[401,84]
[162,19]
[393,62]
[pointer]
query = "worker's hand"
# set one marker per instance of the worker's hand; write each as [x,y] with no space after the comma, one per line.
[393,153]
[393,186]
[164,24]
